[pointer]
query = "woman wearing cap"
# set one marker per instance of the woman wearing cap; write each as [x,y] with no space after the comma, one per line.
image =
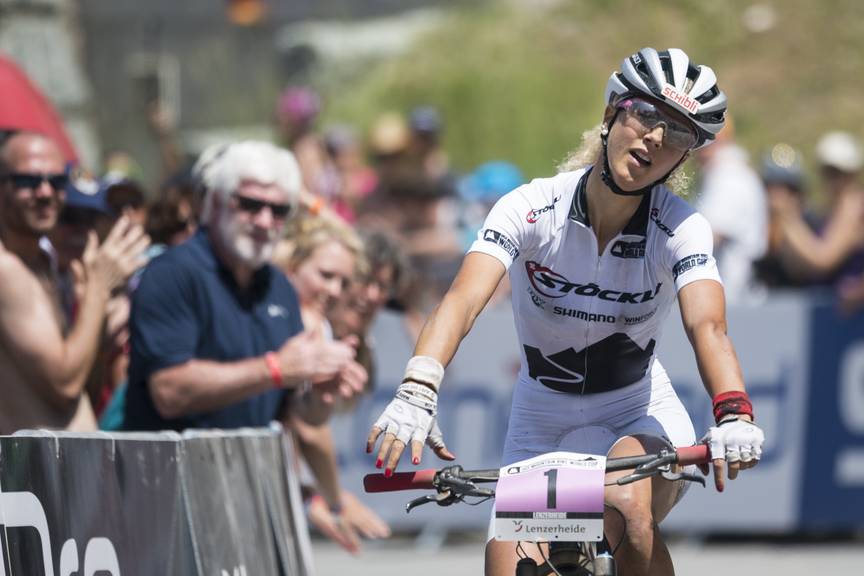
[597,255]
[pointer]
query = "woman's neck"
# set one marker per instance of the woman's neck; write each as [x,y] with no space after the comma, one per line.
[608,212]
[313,320]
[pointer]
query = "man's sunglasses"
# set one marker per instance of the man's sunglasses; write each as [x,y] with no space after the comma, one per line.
[254,206]
[22,180]
[676,133]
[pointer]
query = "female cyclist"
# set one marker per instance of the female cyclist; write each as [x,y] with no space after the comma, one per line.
[597,255]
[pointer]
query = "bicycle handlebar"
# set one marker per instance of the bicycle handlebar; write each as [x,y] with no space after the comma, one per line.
[698,454]
[425,479]
[419,480]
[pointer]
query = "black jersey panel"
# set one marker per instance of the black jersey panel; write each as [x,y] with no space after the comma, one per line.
[612,363]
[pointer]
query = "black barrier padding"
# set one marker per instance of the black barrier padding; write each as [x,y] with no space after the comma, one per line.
[284,502]
[142,505]
[107,505]
[227,508]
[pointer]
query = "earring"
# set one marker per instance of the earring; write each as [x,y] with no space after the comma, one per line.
[604,130]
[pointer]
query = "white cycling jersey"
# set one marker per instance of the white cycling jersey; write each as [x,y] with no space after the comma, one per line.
[589,322]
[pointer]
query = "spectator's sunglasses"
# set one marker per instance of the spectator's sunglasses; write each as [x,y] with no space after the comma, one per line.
[253,206]
[676,133]
[22,180]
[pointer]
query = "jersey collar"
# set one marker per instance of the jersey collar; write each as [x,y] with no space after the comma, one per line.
[638,224]
[579,207]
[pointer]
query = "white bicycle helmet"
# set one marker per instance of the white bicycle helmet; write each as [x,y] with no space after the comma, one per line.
[670,77]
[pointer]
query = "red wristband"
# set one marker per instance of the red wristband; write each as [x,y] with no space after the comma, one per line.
[275,372]
[734,402]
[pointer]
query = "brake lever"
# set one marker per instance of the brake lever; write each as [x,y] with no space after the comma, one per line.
[660,463]
[686,476]
[443,499]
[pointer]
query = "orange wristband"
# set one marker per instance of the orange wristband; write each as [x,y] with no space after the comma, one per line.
[275,372]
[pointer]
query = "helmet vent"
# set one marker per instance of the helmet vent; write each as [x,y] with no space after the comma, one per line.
[642,69]
[709,95]
[666,64]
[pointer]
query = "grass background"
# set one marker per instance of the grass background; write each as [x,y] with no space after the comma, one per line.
[521,80]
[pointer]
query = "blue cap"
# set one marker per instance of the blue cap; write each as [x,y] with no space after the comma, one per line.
[86,193]
[490,181]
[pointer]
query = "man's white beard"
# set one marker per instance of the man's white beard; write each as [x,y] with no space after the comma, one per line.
[241,245]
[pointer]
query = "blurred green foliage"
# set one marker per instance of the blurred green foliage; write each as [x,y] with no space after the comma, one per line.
[522,80]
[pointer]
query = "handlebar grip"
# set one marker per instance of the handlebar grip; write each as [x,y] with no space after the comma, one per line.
[419,480]
[699,454]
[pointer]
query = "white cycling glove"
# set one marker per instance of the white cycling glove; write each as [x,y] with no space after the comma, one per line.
[735,440]
[435,440]
[411,414]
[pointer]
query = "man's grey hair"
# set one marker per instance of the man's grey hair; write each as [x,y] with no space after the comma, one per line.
[221,168]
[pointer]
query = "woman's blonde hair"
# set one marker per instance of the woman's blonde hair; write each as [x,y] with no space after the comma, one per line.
[591,148]
[304,235]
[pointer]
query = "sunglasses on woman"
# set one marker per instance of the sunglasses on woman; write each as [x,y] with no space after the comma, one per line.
[676,133]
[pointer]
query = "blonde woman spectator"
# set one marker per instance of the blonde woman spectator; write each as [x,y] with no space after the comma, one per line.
[321,257]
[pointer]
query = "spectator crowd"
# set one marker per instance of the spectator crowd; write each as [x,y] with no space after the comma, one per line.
[245,289]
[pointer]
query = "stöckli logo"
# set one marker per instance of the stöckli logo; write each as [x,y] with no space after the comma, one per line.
[553,285]
[535,213]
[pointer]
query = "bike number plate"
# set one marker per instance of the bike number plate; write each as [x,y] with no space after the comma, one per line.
[555,496]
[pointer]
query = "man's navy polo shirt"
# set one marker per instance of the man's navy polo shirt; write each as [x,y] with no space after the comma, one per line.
[187,306]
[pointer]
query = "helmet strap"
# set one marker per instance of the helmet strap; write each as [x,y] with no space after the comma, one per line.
[606,172]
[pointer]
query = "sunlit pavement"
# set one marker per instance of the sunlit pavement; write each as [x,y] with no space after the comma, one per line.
[403,557]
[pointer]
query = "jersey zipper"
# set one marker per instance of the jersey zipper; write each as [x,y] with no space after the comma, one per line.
[590,311]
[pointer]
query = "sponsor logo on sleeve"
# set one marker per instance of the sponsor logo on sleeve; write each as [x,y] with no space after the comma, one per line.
[655,217]
[501,240]
[623,249]
[535,213]
[688,263]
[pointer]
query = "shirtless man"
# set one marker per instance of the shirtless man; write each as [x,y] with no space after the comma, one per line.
[45,358]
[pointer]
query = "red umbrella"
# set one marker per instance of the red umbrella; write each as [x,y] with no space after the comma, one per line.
[23,107]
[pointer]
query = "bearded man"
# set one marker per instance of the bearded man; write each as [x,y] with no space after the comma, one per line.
[216,334]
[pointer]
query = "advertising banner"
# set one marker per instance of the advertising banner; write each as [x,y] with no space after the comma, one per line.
[832,462]
[772,345]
